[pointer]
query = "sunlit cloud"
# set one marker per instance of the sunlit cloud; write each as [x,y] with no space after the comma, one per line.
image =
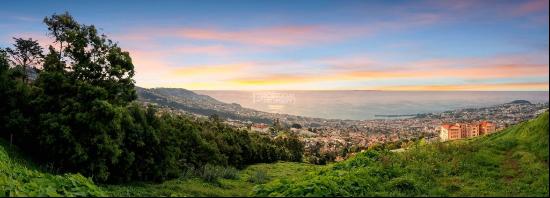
[385,44]
[470,87]
[355,71]
[280,35]
[531,6]
[209,70]
[271,36]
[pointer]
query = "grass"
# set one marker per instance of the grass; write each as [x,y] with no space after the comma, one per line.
[241,185]
[513,162]
[20,177]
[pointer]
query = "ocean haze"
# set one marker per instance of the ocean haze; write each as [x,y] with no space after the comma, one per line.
[364,105]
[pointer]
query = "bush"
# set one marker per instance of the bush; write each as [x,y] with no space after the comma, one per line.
[404,185]
[230,173]
[211,173]
[259,177]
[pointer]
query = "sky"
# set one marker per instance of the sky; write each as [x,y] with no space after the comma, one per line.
[314,45]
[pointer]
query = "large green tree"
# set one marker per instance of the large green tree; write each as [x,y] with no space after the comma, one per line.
[80,99]
[92,57]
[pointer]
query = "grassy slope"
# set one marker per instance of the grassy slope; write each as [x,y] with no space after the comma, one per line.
[226,187]
[20,177]
[513,162]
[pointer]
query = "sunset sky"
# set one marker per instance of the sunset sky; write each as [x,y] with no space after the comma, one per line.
[314,45]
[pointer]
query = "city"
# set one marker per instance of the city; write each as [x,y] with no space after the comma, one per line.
[335,137]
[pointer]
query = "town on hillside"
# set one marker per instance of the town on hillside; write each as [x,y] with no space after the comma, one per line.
[335,139]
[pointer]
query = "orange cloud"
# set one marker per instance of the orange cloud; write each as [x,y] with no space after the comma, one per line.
[209,70]
[277,79]
[277,36]
[469,87]
[479,73]
[502,66]
[202,49]
[270,36]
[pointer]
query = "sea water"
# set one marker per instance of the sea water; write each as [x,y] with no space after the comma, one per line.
[363,105]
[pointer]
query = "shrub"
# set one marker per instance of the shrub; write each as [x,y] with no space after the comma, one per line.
[404,185]
[211,173]
[259,177]
[230,173]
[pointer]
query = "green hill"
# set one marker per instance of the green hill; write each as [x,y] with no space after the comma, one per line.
[20,177]
[513,162]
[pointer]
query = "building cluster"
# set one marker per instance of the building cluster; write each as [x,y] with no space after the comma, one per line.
[465,130]
[334,135]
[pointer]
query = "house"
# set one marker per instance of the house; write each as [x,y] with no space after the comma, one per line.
[260,127]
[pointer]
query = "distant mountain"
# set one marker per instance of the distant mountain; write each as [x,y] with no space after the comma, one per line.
[520,102]
[188,101]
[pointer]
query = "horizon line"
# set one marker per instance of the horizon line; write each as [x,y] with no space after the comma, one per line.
[345,90]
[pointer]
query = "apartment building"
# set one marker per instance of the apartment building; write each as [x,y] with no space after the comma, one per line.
[465,130]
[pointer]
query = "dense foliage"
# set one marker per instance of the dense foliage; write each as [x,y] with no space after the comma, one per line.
[78,115]
[19,177]
[513,162]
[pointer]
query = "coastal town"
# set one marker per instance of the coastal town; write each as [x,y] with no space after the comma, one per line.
[333,136]
[337,137]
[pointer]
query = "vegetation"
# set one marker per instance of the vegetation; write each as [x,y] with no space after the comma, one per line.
[20,177]
[513,162]
[79,115]
[242,185]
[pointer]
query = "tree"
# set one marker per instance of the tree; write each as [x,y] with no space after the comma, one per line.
[26,54]
[93,58]
[4,62]
[296,126]
[59,26]
[215,118]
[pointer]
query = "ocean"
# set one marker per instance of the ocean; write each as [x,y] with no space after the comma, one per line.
[365,105]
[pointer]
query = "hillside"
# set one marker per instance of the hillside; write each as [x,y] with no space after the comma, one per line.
[513,162]
[20,177]
[188,101]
